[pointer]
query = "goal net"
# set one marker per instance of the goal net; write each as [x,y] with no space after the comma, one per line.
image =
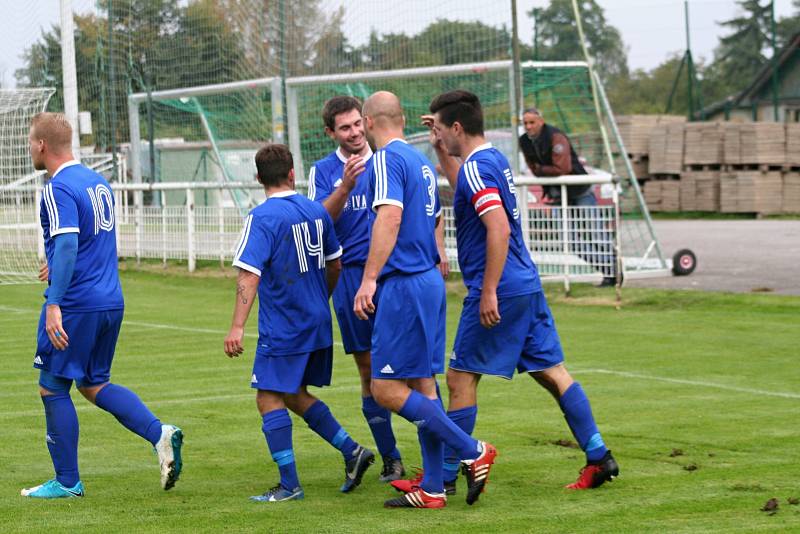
[20,232]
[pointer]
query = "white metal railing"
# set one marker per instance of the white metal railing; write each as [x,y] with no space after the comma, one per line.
[570,243]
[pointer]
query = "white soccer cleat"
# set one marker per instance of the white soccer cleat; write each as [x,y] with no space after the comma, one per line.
[168,449]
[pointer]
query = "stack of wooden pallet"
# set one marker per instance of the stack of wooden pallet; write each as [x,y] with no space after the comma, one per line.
[793,144]
[791,192]
[704,143]
[666,148]
[751,192]
[707,187]
[755,143]
[652,194]
[670,195]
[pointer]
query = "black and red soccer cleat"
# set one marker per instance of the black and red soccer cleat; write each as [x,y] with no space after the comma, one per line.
[418,498]
[477,471]
[595,474]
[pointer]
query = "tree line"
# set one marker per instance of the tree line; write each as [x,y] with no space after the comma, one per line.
[161,44]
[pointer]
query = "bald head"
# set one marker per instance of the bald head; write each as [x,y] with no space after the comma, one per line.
[383,118]
[384,108]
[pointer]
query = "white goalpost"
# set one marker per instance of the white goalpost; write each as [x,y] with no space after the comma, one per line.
[20,232]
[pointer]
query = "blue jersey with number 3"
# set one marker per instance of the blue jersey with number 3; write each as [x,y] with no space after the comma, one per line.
[286,241]
[78,200]
[402,176]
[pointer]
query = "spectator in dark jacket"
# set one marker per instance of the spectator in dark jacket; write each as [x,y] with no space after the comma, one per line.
[549,153]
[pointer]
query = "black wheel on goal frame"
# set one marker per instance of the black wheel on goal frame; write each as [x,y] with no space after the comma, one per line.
[684,262]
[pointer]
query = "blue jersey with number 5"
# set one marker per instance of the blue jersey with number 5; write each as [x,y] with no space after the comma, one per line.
[402,176]
[78,200]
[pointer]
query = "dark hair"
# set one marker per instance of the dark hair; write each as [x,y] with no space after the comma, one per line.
[462,107]
[273,162]
[336,106]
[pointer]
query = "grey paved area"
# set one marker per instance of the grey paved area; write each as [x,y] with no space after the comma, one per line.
[739,256]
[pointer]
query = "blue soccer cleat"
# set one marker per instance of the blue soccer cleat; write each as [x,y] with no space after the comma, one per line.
[279,493]
[168,449]
[355,467]
[53,489]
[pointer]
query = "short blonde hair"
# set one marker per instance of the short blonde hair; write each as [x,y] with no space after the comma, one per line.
[54,129]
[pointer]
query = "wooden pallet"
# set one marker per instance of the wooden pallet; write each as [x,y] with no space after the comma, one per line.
[791,192]
[755,143]
[703,143]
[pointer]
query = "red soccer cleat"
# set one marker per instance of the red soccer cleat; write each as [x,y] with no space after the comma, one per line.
[477,471]
[407,485]
[418,499]
[594,475]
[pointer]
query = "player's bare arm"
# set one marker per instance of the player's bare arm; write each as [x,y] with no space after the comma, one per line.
[449,164]
[335,203]
[444,265]
[384,238]
[333,269]
[497,234]
[44,272]
[246,289]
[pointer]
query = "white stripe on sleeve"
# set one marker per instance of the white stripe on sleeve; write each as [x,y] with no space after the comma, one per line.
[312,183]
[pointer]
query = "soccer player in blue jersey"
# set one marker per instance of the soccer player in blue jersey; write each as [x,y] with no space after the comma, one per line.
[82,315]
[505,322]
[404,290]
[339,182]
[289,256]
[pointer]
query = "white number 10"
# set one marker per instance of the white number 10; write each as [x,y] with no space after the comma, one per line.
[103,206]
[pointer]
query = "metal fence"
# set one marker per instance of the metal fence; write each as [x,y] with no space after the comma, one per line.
[567,242]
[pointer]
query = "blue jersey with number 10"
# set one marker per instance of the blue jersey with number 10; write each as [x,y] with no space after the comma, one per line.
[286,241]
[404,177]
[78,200]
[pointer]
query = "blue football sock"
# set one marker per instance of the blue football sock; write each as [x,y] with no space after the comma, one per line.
[465,419]
[379,420]
[578,413]
[320,419]
[432,450]
[62,437]
[129,410]
[426,413]
[277,428]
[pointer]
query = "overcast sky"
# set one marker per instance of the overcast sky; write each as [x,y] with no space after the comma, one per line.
[651,29]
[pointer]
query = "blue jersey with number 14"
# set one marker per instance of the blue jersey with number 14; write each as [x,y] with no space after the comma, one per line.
[78,200]
[286,241]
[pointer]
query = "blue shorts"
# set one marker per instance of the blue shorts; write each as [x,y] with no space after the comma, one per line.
[287,374]
[525,339]
[92,340]
[408,337]
[356,334]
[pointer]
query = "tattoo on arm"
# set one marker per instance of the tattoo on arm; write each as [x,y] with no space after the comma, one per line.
[240,290]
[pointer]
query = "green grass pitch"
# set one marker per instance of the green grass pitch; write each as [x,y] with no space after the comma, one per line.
[697,394]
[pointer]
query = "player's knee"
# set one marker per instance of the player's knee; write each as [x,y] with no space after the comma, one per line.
[556,380]
[49,384]
[385,395]
[460,382]
[90,392]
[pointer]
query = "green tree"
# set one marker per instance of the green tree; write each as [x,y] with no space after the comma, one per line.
[559,40]
[740,54]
